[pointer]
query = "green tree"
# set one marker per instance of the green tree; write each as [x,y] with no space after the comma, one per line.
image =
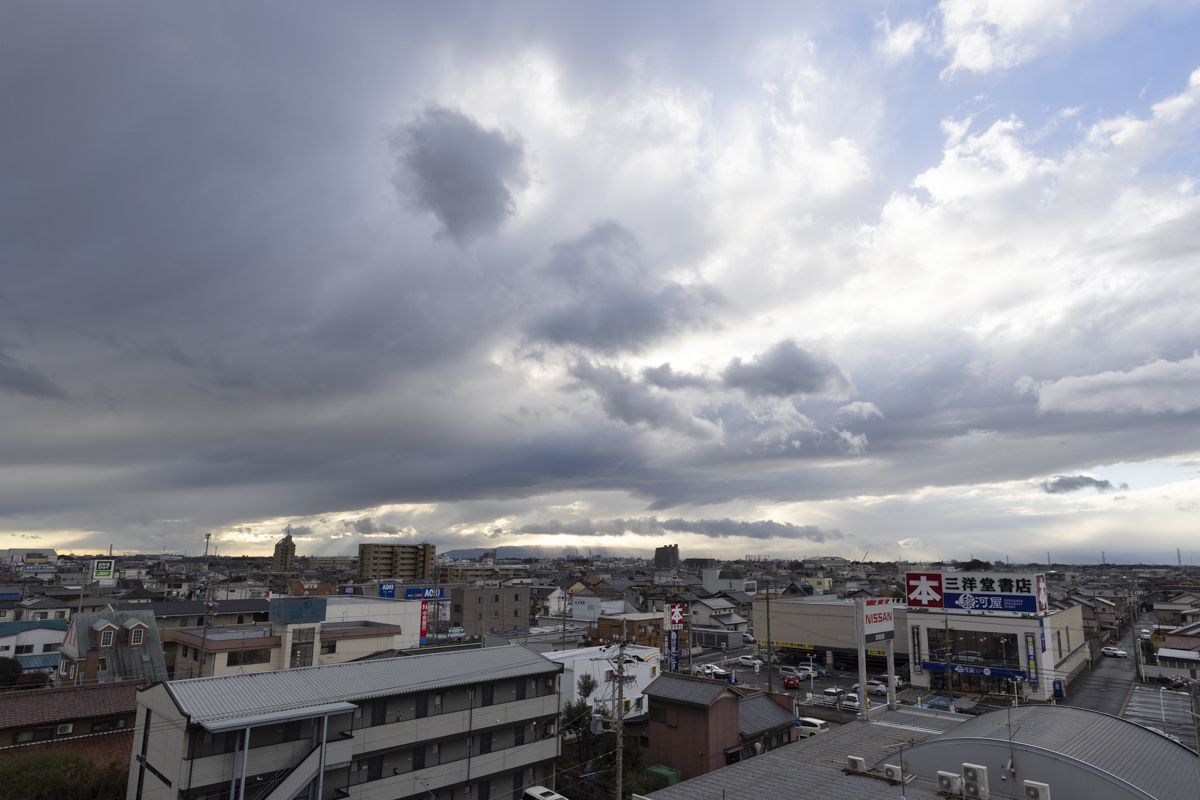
[975,565]
[585,686]
[60,776]
[10,672]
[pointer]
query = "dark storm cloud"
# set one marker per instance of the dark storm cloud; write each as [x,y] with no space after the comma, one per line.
[632,403]
[1063,484]
[664,377]
[17,377]
[712,528]
[615,304]
[461,172]
[787,370]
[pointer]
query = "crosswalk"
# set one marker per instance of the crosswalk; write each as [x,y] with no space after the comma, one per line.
[1166,710]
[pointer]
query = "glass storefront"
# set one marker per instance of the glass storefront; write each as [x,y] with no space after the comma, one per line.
[978,649]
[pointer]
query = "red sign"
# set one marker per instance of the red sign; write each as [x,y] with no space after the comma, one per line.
[675,616]
[923,589]
[424,620]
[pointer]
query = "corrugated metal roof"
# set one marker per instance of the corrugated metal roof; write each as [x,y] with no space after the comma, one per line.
[1143,758]
[686,689]
[20,626]
[228,696]
[758,713]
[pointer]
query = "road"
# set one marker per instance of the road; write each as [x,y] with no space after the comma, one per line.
[1107,685]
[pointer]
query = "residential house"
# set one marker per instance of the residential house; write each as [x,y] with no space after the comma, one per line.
[642,665]
[94,721]
[698,725]
[42,608]
[591,604]
[169,617]
[549,599]
[32,636]
[476,723]
[718,613]
[109,647]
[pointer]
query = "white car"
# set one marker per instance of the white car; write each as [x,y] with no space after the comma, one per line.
[709,671]
[1114,652]
[873,687]
[749,661]
[802,672]
[807,726]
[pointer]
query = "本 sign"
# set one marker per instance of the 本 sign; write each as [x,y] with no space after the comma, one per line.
[878,625]
[674,616]
[1013,593]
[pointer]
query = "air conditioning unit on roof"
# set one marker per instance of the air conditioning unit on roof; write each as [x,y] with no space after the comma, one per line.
[975,782]
[67,728]
[893,772]
[856,764]
[949,782]
[1037,791]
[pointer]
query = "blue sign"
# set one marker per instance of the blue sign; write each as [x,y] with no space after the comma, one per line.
[387,590]
[1060,690]
[1031,658]
[424,594]
[970,669]
[674,650]
[348,590]
[974,601]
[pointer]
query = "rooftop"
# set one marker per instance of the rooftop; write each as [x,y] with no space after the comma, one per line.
[13,628]
[43,706]
[675,688]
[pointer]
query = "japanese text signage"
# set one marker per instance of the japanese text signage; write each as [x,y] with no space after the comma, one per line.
[878,625]
[424,621]
[1031,658]
[674,639]
[102,568]
[675,616]
[1014,593]
[915,661]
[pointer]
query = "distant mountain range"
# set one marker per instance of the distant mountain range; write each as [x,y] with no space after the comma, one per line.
[542,551]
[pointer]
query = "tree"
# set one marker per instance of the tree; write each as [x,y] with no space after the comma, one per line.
[10,672]
[60,776]
[975,565]
[586,685]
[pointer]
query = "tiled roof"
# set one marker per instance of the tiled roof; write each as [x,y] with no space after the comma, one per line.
[66,703]
[124,662]
[686,689]
[758,713]
[100,748]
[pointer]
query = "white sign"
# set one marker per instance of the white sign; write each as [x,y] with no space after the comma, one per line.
[675,616]
[878,624]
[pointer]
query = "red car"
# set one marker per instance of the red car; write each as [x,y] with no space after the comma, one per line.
[791,682]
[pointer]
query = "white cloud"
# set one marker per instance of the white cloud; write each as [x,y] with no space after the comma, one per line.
[1155,388]
[861,410]
[984,35]
[902,41]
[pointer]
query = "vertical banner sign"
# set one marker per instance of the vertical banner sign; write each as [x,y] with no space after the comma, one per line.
[914,661]
[674,650]
[1031,659]
[424,620]
[675,616]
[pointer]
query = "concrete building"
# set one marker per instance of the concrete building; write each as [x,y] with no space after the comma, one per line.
[643,628]
[172,616]
[402,562]
[591,604]
[642,665]
[285,555]
[490,609]
[666,557]
[469,724]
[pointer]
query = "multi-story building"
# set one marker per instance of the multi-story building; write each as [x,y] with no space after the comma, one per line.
[111,646]
[666,557]
[33,636]
[285,555]
[331,563]
[490,609]
[402,562]
[643,628]
[476,724]
[448,573]
[642,665]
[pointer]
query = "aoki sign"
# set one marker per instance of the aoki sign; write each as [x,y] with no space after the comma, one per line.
[1006,592]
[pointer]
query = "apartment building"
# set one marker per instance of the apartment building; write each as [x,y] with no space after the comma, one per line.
[467,725]
[284,559]
[490,609]
[402,562]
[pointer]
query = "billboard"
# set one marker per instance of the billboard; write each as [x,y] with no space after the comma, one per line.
[102,568]
[878,625]
[1007,592]
[969,669]
[387,590]
[457,632]
[915,658]
[675,616]
[419,593]
[297,610]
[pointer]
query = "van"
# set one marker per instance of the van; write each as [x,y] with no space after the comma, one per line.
[808,726]
[541,793]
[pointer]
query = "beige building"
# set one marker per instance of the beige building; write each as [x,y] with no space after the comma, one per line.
[473,572]
[402,562]
[285,555]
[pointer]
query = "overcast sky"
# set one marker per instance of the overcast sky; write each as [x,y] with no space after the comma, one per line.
[798,279]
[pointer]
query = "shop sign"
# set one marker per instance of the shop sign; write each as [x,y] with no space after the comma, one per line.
[1006,592]
[1031,658]
[968,669]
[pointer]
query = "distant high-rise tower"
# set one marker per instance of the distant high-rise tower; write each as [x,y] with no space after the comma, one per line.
[666,557]
[285,555]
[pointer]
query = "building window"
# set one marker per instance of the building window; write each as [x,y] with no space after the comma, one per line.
[516,612]
[136,637]
[23,649]
[244,658]
[495,598]
[184,654]
[329,648]
[653,671]
[495,615]
[517,597]
[302,647]
[41,615]
[49,648]
[102,664]
[60,615]
[108,725]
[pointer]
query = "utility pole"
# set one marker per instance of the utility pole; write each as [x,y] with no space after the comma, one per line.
[208,620]
[770,647]
[620,712]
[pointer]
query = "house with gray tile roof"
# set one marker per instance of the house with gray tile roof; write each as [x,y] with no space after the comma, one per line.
[111,646]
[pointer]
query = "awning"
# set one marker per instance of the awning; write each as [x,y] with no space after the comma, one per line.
[238,723]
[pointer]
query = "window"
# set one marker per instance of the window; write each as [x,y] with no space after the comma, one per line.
[519,734]
[106,639]
[60,614]
[495,615]
[40,735]
[102,664]
[302,647]
[241,619]
[22,649]
[479,599]
[329,648]
[3,613]
[245,658]
[4,647]
[516,612]
[479,616]
[184,654]
[49,648]
[136,637]
[653,671]
[517,597]
[437,702]
[458,608]
[108,725]
[41,615]
[641,630]
[485,743]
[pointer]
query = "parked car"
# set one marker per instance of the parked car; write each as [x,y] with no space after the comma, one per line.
[791,682]
[1114,652]
[900,682]
[807,726]
[749,661]
[804,672]
[873,687]
[747,639]
[709,671]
